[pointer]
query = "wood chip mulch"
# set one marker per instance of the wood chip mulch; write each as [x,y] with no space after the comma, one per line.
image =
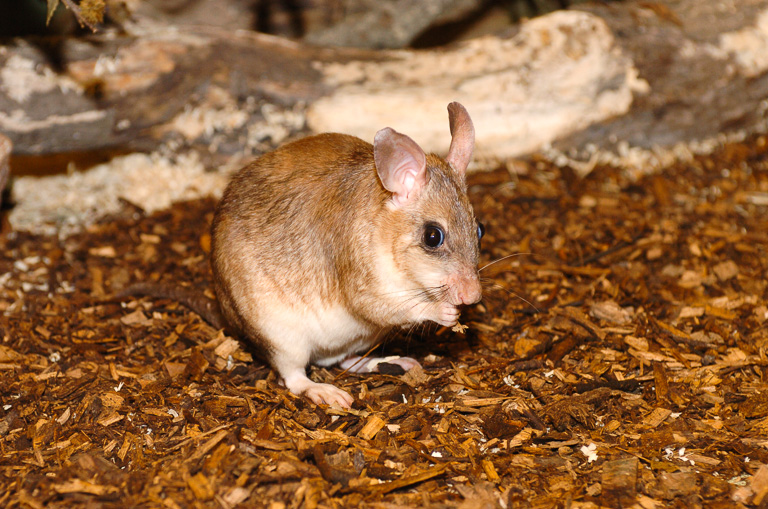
[618,359]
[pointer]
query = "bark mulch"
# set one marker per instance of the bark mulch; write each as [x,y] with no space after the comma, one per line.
[618,359]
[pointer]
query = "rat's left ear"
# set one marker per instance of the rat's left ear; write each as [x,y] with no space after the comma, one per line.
[462,138]
[401,165]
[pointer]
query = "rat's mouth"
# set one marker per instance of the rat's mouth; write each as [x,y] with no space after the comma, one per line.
[436,304]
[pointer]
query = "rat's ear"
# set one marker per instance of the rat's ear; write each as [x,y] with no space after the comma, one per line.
[462,138]
[401,164]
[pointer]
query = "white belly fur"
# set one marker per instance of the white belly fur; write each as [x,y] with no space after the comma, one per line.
[317,334]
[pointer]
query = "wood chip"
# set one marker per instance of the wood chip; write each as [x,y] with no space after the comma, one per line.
[461,329]
[372,426]
[490,471]
[759,484]
[658,416]
[582,319]
[110,419]
[79,486]
[726,270]
[619,482]
[661,381]
[201,487]
[408,480]
[610,311]
[104,251]
[136,318]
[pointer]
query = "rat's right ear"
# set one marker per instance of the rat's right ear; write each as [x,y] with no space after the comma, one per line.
[401,164]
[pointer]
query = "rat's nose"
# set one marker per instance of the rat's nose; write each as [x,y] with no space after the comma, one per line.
[467,289]
[472,292]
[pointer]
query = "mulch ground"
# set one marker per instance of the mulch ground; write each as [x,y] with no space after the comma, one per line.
[617,359]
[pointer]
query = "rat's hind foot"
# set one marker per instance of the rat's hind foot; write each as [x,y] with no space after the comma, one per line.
[357,364]
[299,384]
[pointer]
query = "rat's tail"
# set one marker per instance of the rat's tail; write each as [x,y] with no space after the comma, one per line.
[207,308]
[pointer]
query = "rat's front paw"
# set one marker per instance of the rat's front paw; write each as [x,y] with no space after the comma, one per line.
[447,314]
[328,394]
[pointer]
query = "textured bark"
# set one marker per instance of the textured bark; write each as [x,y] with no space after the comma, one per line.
[647,74]
[390,24]
[5,170]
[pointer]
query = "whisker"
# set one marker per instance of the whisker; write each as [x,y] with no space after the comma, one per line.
[405,292]
[422,328]
[435,293]
[420,323]
[416,303]
[413,297]
[411,332]
[409,299]
[403,308]
[502,259]
[497,286]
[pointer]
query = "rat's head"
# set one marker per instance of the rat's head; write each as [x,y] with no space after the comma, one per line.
[435,236]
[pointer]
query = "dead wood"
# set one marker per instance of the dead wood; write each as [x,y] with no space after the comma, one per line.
[207,88]
[5,167]
[390,24]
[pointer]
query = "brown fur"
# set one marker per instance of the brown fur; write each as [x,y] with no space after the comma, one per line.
[307,214]
[319,248]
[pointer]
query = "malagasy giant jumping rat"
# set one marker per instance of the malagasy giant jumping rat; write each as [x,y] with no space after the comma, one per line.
[323,245]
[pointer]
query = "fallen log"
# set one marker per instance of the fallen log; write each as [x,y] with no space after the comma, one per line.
[5,168]
[633,72]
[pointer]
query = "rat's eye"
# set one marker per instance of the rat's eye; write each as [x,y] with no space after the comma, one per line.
[433,236]
[480,230]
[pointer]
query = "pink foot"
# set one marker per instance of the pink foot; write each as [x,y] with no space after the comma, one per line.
[320,394]
[357,364]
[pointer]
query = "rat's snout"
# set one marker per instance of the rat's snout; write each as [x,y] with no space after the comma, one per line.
[465,288]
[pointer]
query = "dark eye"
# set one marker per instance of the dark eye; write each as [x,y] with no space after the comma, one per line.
[480,230]
[433,236]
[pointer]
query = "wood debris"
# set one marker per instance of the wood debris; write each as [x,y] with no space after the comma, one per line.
[622,364]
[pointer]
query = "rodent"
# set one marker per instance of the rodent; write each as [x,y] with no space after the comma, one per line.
[322,245]
[325,244]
